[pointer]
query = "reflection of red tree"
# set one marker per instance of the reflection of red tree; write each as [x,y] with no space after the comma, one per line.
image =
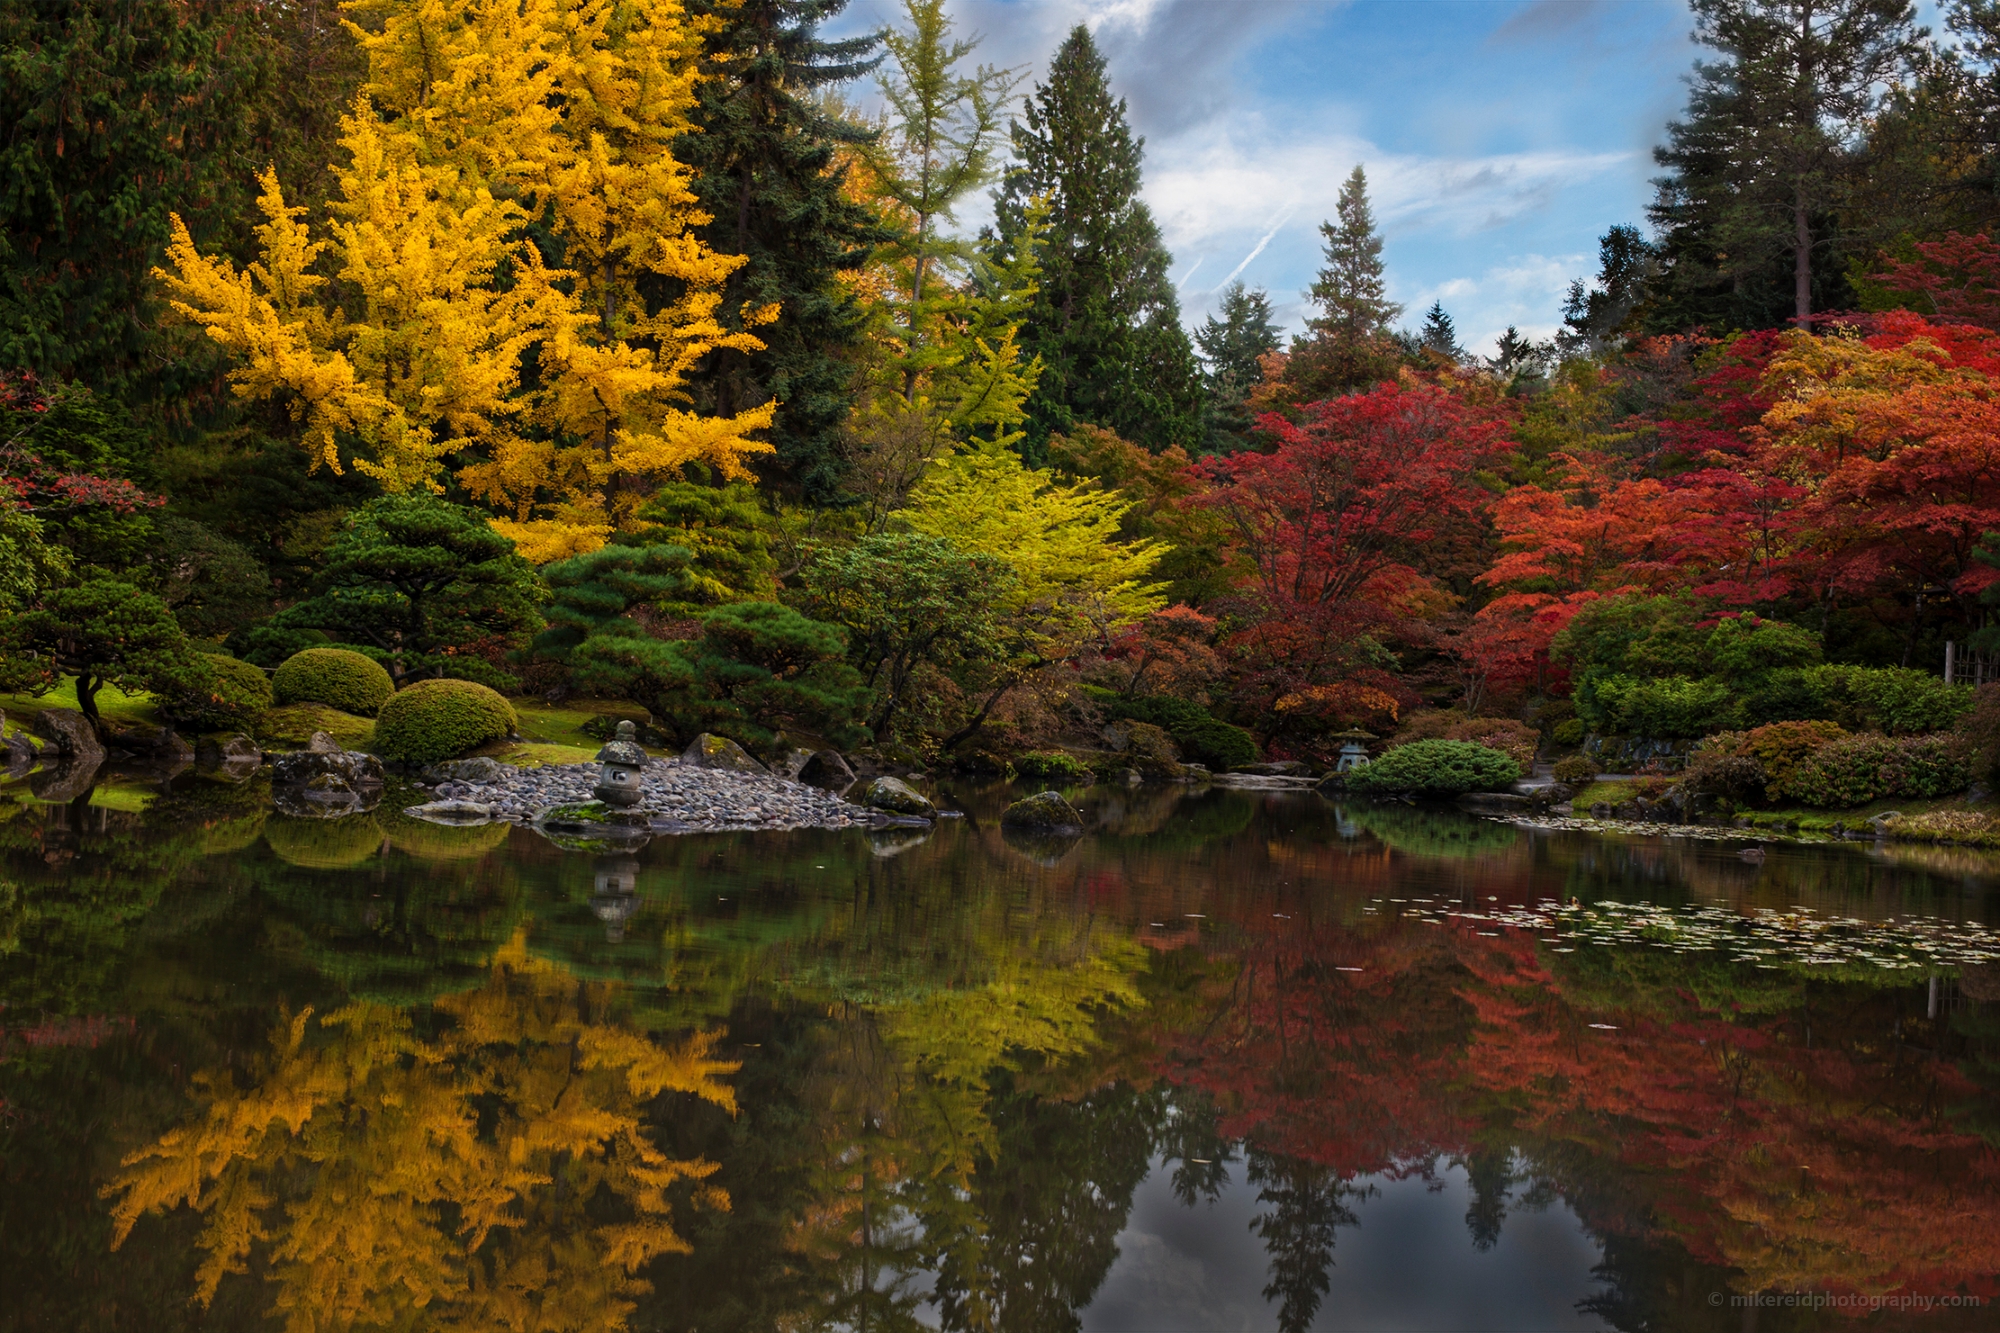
[1829,1166]
[1344,1069]
[1823,1166]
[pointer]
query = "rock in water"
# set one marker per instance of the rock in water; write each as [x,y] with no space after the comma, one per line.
[827,770]
[1044,813]
[233,754]
[898,798]
[323,758]
[1277,768]
[791,762]
[71,734]
[719,752]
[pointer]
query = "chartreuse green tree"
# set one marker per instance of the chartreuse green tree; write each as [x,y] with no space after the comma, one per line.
[1105,323]
[1074,579]
[419,327]
[770,169]
[427,586]
[726,532]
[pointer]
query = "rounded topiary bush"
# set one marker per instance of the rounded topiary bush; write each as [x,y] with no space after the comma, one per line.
[440,719]
[337,677]
[1575,768]
[229,693]
[1435,768]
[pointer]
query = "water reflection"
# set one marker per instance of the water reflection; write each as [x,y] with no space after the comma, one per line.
[1227,1054]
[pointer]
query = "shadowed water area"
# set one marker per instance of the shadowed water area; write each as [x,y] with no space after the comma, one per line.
[1230,1060]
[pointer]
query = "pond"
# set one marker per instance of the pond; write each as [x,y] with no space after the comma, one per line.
[1231,1060]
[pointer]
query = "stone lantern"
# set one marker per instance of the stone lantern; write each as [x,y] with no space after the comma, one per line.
[1353,750]
[622,762]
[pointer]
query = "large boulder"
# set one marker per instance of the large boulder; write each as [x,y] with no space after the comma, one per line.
[21,754]
[326,768]
[719,752]
[1046,813]
[481,772]
[232,752]
[1277,768]
[827,770]
[71,734]
[896,797]
[788,762]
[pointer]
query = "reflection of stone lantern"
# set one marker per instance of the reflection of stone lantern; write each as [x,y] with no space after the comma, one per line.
[1353,750]
[623,761]
[616,895]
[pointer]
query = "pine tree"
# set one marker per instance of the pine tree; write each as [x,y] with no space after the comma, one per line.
[763,151]
[1232,349]
[1348,344]
[1762,162]
[1106,323]
[1439,336]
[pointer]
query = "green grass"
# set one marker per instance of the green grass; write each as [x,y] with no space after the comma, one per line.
[114,706]
[1613,792]
[562,724]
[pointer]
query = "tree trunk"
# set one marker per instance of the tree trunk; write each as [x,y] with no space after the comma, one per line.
[1802,260]
[86,697]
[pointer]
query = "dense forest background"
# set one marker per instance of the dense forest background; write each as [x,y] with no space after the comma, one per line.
[604,346]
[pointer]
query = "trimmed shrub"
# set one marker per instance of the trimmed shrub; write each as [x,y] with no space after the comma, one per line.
[1898,700]
[234,695]
[337,677]
[1669,706]
[441,719]
[1871,767]
[1435,768]
[1737,777]
[1569,731]
[1203,738]
[1052,766]
[1980,730]
[1575,768]
[1517,740]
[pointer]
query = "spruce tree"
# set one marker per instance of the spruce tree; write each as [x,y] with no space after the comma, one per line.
[1771,145]
[1106,322]
[1232,348]
[1595,319]
[1348,345]
[764,160]
[1438,338]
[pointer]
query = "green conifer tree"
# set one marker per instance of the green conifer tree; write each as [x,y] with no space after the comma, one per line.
[1233,343]
[1348,344]
[1106,323]
[1771,145]
[1438,339]
[764,162]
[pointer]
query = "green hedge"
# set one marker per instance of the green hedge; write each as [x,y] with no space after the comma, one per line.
[1855,770]
[337,677]
[233,696]
[1435,768]
[441,719]
[1203,738]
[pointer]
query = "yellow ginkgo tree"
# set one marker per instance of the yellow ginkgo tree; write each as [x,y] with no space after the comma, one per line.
[418,328]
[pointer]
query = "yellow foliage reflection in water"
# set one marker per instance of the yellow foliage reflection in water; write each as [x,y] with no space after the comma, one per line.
[490,1170]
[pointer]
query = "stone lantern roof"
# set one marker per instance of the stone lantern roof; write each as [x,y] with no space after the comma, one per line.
[623,750]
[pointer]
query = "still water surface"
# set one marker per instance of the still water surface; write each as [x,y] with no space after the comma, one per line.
[1232,1061]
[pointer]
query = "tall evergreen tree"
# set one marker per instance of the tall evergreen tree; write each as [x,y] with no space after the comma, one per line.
[1106,323]
[1595,318]
[118,114]
[763,153]
[1762,162]
[1348,344]
[1232,348]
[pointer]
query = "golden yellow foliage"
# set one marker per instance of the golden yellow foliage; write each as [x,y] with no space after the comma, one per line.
[399,330]
[460,1172]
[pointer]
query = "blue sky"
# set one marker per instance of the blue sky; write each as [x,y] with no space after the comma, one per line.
[1501,139]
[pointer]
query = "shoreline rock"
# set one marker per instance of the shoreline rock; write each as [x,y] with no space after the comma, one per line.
[673,797]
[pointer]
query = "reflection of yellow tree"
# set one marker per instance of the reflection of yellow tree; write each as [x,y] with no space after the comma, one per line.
[487,1168]
[904,1104]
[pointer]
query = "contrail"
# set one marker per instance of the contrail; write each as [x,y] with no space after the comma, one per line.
[1283,218]
[1189,274]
